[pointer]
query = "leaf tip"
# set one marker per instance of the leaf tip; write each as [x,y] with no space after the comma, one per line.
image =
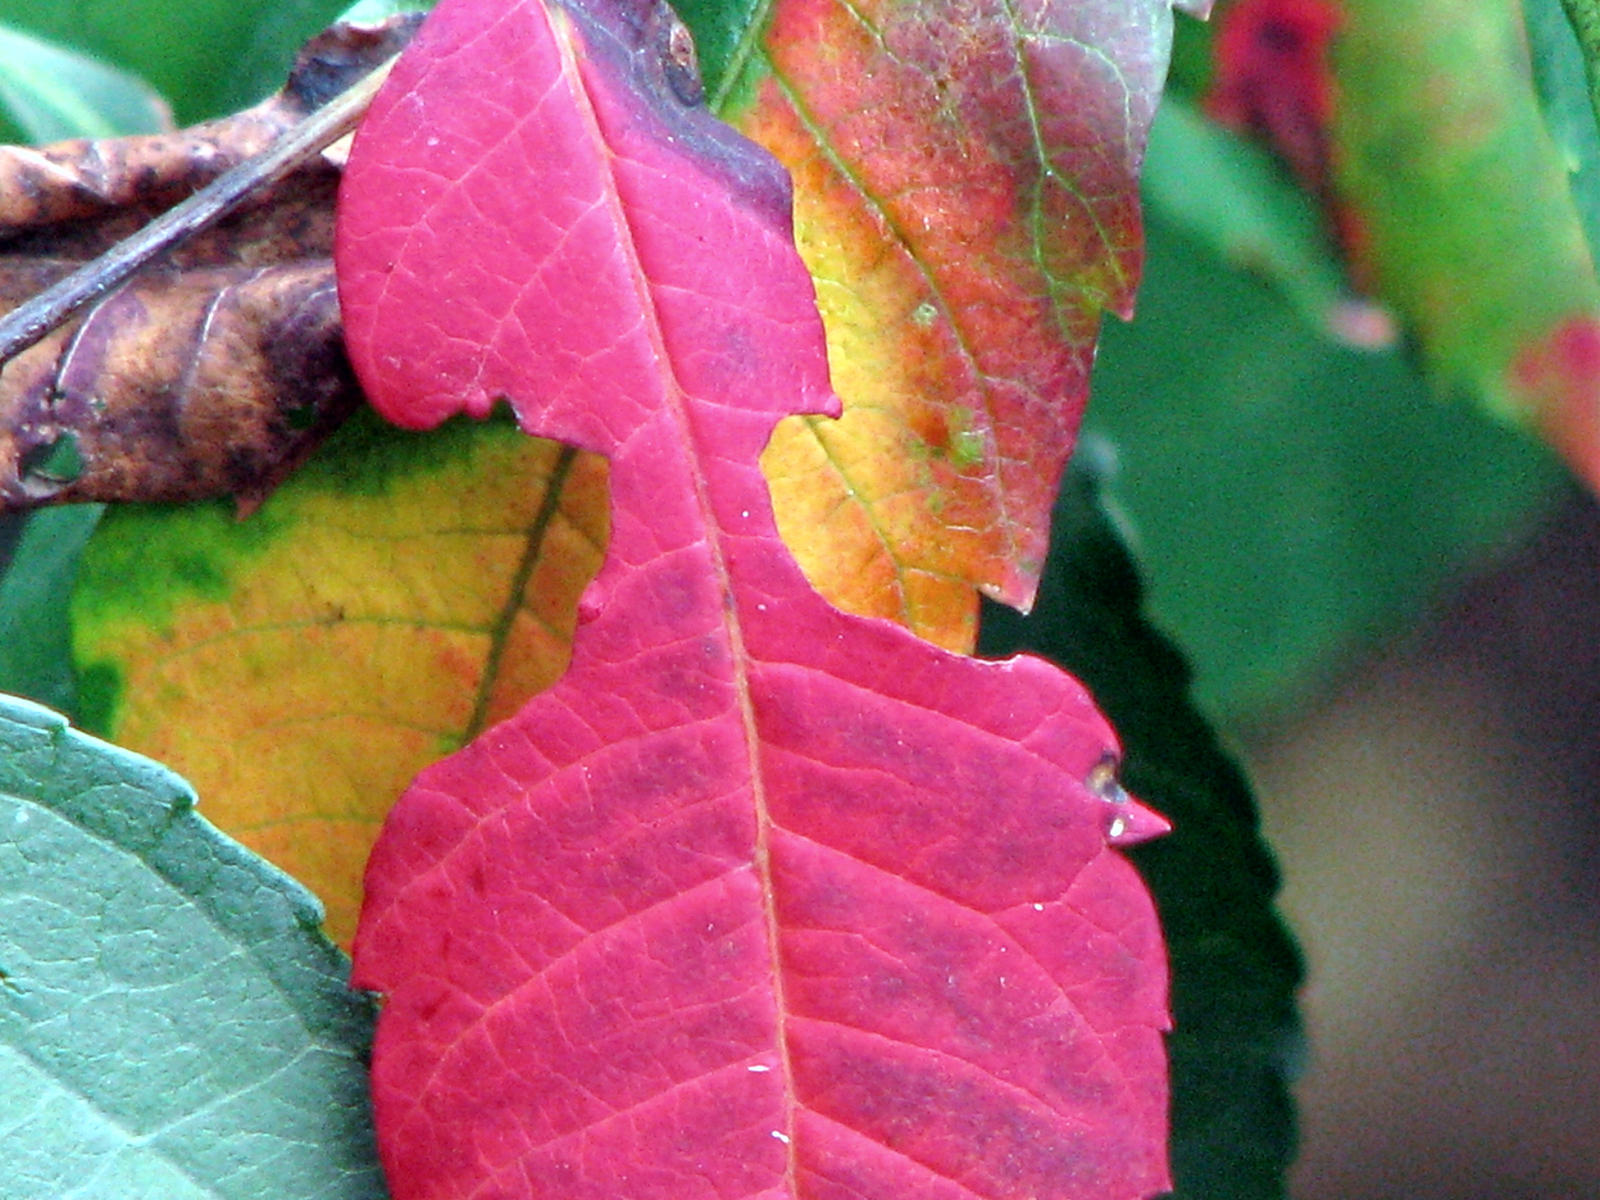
[1127,822]
[1132,823]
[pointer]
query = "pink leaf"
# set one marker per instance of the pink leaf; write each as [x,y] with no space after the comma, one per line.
[760,900]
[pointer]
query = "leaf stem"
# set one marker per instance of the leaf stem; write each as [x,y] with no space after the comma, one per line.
[32,320]
[1584,17]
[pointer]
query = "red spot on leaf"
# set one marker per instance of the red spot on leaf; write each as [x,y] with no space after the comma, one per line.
[760,899]
[1558,378]
[1273,79]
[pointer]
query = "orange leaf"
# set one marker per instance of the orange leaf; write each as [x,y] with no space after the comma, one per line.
[966,178]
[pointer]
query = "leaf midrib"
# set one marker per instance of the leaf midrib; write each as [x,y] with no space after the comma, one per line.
[569,44]
[505,619]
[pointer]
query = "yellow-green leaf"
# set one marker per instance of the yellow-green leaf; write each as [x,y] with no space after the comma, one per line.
[1470,227]
[299,667]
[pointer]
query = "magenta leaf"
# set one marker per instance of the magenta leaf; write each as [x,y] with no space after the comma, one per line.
[760,900]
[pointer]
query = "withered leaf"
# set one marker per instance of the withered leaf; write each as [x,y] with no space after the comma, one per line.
[215,369]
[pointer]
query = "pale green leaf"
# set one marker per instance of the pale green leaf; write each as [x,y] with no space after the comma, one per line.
[172,1024]
[52,93]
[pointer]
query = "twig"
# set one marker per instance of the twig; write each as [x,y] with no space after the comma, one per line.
[27,323]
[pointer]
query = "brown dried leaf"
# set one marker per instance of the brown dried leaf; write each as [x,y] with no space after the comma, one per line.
[218,367]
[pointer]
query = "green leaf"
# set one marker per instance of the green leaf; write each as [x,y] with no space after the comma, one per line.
[397,595]
[274,36]
[51,93]
[373,11]
[726,34]
[171,1022]
[1295,499]
[207,57]
[35,604]
[1468,224]
[1563,94]
[1189,72]
[1232,196]
[1234,967]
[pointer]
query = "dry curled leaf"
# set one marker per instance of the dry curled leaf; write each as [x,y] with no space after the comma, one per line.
[218,367]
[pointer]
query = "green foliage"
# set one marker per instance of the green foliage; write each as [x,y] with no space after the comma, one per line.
[725,33]
[1294,498]
[1472,234]
[48,93]
[35,598]
[1563,93]
[1232,196]
[172,1023]
[154,559]
[230,52]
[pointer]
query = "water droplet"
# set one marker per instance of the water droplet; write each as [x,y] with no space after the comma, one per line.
[781,1136]
[681,65]
[1136,824]
[1038,908]
[1127,822]
[758,1069]
[1103,782]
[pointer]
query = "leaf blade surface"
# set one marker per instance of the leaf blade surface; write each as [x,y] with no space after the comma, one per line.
[389,601]
[732,909]
[967,198]
[1474,235]
[171,1023]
